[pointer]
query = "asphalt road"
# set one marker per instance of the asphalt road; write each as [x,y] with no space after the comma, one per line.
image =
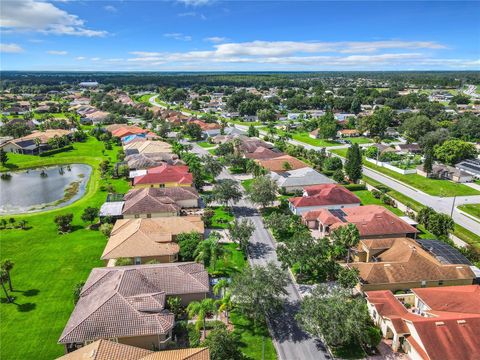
[290,341]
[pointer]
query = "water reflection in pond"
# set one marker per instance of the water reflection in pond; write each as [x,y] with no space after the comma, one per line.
[43,188]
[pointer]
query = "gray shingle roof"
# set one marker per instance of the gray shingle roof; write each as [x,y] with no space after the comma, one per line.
[301,177]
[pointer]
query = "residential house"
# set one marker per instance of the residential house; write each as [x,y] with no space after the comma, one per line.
[34,142]
[323,196]
[158,202]
[127,304]
[263,153]
[372,221]
[144,240]
[164,175]
[346,133]
[401,264]
[408,148]
[282,164]
[430,323]
[440,171]
[208,129]
[146,161]
[147,147]
[296,180]
[110,350]
[470,166]
[96,117]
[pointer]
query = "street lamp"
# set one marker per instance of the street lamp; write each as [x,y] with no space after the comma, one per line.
[453,205]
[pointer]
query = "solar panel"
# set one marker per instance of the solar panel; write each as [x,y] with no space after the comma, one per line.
[443,252]
[339,214]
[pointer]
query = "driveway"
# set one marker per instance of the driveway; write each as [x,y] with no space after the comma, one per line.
[290,341]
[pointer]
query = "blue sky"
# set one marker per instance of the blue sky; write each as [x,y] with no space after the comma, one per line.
[204,35]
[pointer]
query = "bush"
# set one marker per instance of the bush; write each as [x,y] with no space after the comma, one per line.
[106,229]
[355,187]
[56,151]
[388,200]
[332,163]
[376,194]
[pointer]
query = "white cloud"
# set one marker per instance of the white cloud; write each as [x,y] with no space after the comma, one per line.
[186,14]
[57,52]
[80,58]
[196,2]
[178,36]
[10,48]
[95,58]
[34,15]
[216,39]
[110,8]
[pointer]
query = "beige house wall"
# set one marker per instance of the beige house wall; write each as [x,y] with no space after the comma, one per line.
[150,342]
[153,215]
[410,285]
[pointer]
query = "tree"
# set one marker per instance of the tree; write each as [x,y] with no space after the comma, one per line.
[327,126]
[241,231]
[188,243]
[174,304]
[225,304]
[223,345]
[106,229]
[353,163]
[123,261]
[257,291]
[77,290]
[347,237]
[252,131]
[440,224]
[416,126]
[348,277]
[7,266]
[286,166]
[334,316]
[3,157]
[193,130]
[3,280]
[338,176]
[378,122]
[428,162]
[453,151]
[89,214]
[332,163]
[208,251]
[220,286]
[226,191]
[266,115]
[212,165]
[64,223]
[201,309]
[262,191]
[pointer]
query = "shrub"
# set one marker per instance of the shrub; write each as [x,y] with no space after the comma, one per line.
[106,229]
[355,187]
[376,194]
[56,151]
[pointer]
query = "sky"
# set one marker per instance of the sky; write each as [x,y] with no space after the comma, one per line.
[214,35]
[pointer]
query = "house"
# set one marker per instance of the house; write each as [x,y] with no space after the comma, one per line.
[263,153]
[147,147]
[164,175]
[208,129]
[347,133]
[323,196]
[127,303]
[401,264]
[440,171]
[34,142]
[372,221]
[145,161]
[125,130]
[281,164]
[107,349]
[408,148]
[296,180]
[96,117]
[144,240]
[158,202]
[430,323]
[470,166]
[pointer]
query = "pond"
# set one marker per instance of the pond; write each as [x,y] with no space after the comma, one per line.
[43,189]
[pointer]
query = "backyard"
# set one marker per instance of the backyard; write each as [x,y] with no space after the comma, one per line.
[48,265]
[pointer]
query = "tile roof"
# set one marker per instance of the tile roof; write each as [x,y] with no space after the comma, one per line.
[129,300]
[180,354]
[107,350]
[165,173]
[145,161]
[148,146]
[155,200]
[126,130]
[263,153]
[149,237]
[301,177]
[405,261]
[206,126]
[449,327]
[324,195]
[44,136]
[370,220]
[277,164]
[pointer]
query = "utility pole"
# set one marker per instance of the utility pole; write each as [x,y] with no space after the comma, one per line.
[453,205]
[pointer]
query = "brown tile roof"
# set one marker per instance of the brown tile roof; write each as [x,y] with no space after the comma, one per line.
[129,300]
[263,153]
[460,299]
[149,147]
[405,261]
[157,200]
[164,174]
[180,354]
[44,136]
[149,237]
[277,164]
[371,220]
[325,194]
[107,350]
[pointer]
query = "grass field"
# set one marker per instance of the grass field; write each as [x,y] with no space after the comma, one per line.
[305,138]
[247,183]
[145,99]
[205,144]
[359,140]
[433,187]
[472,209]
[222,218]
[232,262]
[48,265]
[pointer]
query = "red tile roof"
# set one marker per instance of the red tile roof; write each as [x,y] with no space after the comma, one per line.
[370,220]
[263,153]
[325,194]
[206,126]
[127,130]
[277,164]
[164,174]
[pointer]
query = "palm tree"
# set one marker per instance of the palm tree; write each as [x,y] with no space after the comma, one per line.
[7,266]
[220,286]
[201,309]
[225,304]
[208,251]
[3,279]
[347,237]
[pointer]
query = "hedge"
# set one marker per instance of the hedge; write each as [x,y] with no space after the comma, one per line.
[56,151]
[355,187]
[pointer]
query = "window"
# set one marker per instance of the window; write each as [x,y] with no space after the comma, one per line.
[149,216]
[424,283]
[137,216]
[440,282]
[161,185]
[138,261]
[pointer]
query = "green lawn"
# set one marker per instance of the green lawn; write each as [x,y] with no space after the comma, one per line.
[305,138]
[222,218]
[48,265]
[433,187]
[359,140]
[367,198]
[232,262]
[247,183]
[472,209]
[145,99]
[245,123]
[253,338]
[205,144]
